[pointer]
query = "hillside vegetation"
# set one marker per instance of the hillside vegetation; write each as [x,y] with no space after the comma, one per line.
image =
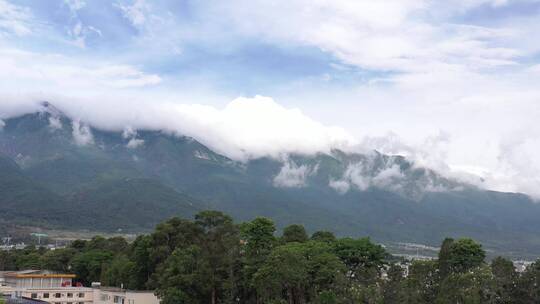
[212,259]
[130,181]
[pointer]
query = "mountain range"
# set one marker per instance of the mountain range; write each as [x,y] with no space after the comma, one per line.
[60,172]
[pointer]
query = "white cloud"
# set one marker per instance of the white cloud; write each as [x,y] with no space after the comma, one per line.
[387,177]
[244,128]
[364,175]
[131,134]
[82,135]
[293,176]
[518,166]
[430,67]
[55,123]
[356,175]
[135,13]
[79,32]
[383,35]
[134,143]
[272,128]
[75,5]
[2,124]
[21,70]
[14,19]
[341,186]
[394,174]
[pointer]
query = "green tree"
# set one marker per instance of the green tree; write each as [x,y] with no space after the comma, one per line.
[88,265]
[168,236]
[444,258]
[506,278]
[220,247]
[465,254]
[475,286]
[294,233]
[422,282]
[96,243]
[117,245]
[285,271]
[258,240]
[183,278]
[303,272]
[140,255]
[58,259]
[119,273]
[528,287]
[323,236]
[363,258]
[326,297]
[392,289]
[326,271]
[29,260]
[258,236]
[78,245]
[7,260]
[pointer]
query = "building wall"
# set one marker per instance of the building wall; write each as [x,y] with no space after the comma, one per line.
[74,295]
[104,296]
[43,282]
[49,288]
[85,295]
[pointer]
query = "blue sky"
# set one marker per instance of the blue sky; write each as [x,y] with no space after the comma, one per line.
[168,43]
[453,84]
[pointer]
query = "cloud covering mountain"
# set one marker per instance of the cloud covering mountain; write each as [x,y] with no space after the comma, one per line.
[63,173]
[454,85]
[245,128]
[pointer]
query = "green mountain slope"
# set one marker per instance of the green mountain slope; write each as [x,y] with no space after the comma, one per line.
[24,200]
[132,180]
[130,204]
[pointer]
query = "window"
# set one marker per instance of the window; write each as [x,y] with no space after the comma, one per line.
[46,295]
[70,295]
[33,296]
[57,295]
[81,295]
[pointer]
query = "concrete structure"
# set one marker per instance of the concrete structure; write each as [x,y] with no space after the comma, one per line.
[107,295]
[9,300]
[59,289]
[60,295]
[37,279]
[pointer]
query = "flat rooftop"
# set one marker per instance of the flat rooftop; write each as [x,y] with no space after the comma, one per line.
[36,274]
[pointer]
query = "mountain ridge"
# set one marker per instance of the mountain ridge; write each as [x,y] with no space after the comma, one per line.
[384,196]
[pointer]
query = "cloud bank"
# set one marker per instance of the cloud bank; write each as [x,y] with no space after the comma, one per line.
[453,85]
[245,128]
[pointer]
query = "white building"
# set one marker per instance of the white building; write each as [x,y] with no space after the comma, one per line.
[108,295]
[59,289]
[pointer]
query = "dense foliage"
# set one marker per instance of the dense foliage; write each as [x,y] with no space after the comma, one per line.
[211,259]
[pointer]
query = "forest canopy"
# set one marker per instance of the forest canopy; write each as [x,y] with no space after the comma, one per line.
[212,259]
